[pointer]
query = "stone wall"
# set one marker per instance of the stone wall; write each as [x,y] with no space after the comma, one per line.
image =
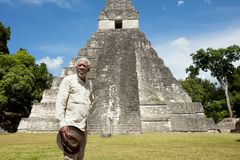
[118,9]
[175,117]
[155,118]
[110,24]
[115,86]
[155,80]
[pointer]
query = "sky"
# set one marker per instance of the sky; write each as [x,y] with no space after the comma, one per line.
[54,30]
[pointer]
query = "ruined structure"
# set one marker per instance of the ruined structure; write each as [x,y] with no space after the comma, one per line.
[134,91]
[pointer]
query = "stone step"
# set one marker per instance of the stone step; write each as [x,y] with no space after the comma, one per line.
[91,53]
[185,108]
[43,110]
[154,118]
[36,124]
[154,112]
[49,95]
[189,122]
[156,126]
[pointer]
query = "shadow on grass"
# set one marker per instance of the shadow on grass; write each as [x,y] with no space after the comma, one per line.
[238,140]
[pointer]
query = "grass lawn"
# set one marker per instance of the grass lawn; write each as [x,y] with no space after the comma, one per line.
[149,146]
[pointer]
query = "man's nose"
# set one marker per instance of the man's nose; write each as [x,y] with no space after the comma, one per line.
[82,67]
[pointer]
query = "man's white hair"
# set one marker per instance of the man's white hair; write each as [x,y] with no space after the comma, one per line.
[85,60]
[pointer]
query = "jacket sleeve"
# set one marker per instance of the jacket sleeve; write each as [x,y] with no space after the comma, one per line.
[61,102]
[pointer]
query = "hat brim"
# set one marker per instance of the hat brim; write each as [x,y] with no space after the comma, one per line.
[72,145]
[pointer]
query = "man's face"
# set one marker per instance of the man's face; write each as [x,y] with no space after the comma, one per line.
[82,68]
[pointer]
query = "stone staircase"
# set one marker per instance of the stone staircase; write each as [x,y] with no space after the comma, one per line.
[175,117]
[42,117]
[155,117]
[189,117]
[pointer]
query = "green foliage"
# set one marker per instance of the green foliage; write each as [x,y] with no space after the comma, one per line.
[234,88]
[209,95]
[217,110]
[4,37]
[220,64]
[24,58]
[236,104]
[234,83]
[22,83]
[43,80]
[195,88]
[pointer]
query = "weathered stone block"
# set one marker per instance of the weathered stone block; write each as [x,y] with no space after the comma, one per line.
[237,128]
[227,125]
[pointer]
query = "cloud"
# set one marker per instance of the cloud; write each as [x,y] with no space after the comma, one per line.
[60,52]
[59,3]
[181,43]
[176,52]
[180,3]
[217,40]
[54,65]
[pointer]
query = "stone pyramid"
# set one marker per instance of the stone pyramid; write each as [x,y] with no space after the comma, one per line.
[134,91]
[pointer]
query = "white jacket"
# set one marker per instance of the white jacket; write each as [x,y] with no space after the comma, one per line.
[73,102]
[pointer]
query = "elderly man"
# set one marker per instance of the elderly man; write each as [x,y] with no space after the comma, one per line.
[73,104]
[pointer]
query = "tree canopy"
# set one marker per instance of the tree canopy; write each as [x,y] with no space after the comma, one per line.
[234,88]
[4,38]
[219,62]
[22,83]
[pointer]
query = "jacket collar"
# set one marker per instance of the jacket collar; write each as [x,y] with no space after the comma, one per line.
[81,81]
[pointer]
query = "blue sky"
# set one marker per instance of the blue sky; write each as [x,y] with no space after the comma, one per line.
[54,30]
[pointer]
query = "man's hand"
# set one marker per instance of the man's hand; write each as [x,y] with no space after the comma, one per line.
[65,132]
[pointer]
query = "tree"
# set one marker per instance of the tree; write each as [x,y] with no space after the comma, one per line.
[200,90]
[234,88]
[4,37]
[235,81]
[209,94]
[220,64]
[217,110]
[22,83]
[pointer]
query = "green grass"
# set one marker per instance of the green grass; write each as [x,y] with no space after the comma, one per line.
[150,146]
